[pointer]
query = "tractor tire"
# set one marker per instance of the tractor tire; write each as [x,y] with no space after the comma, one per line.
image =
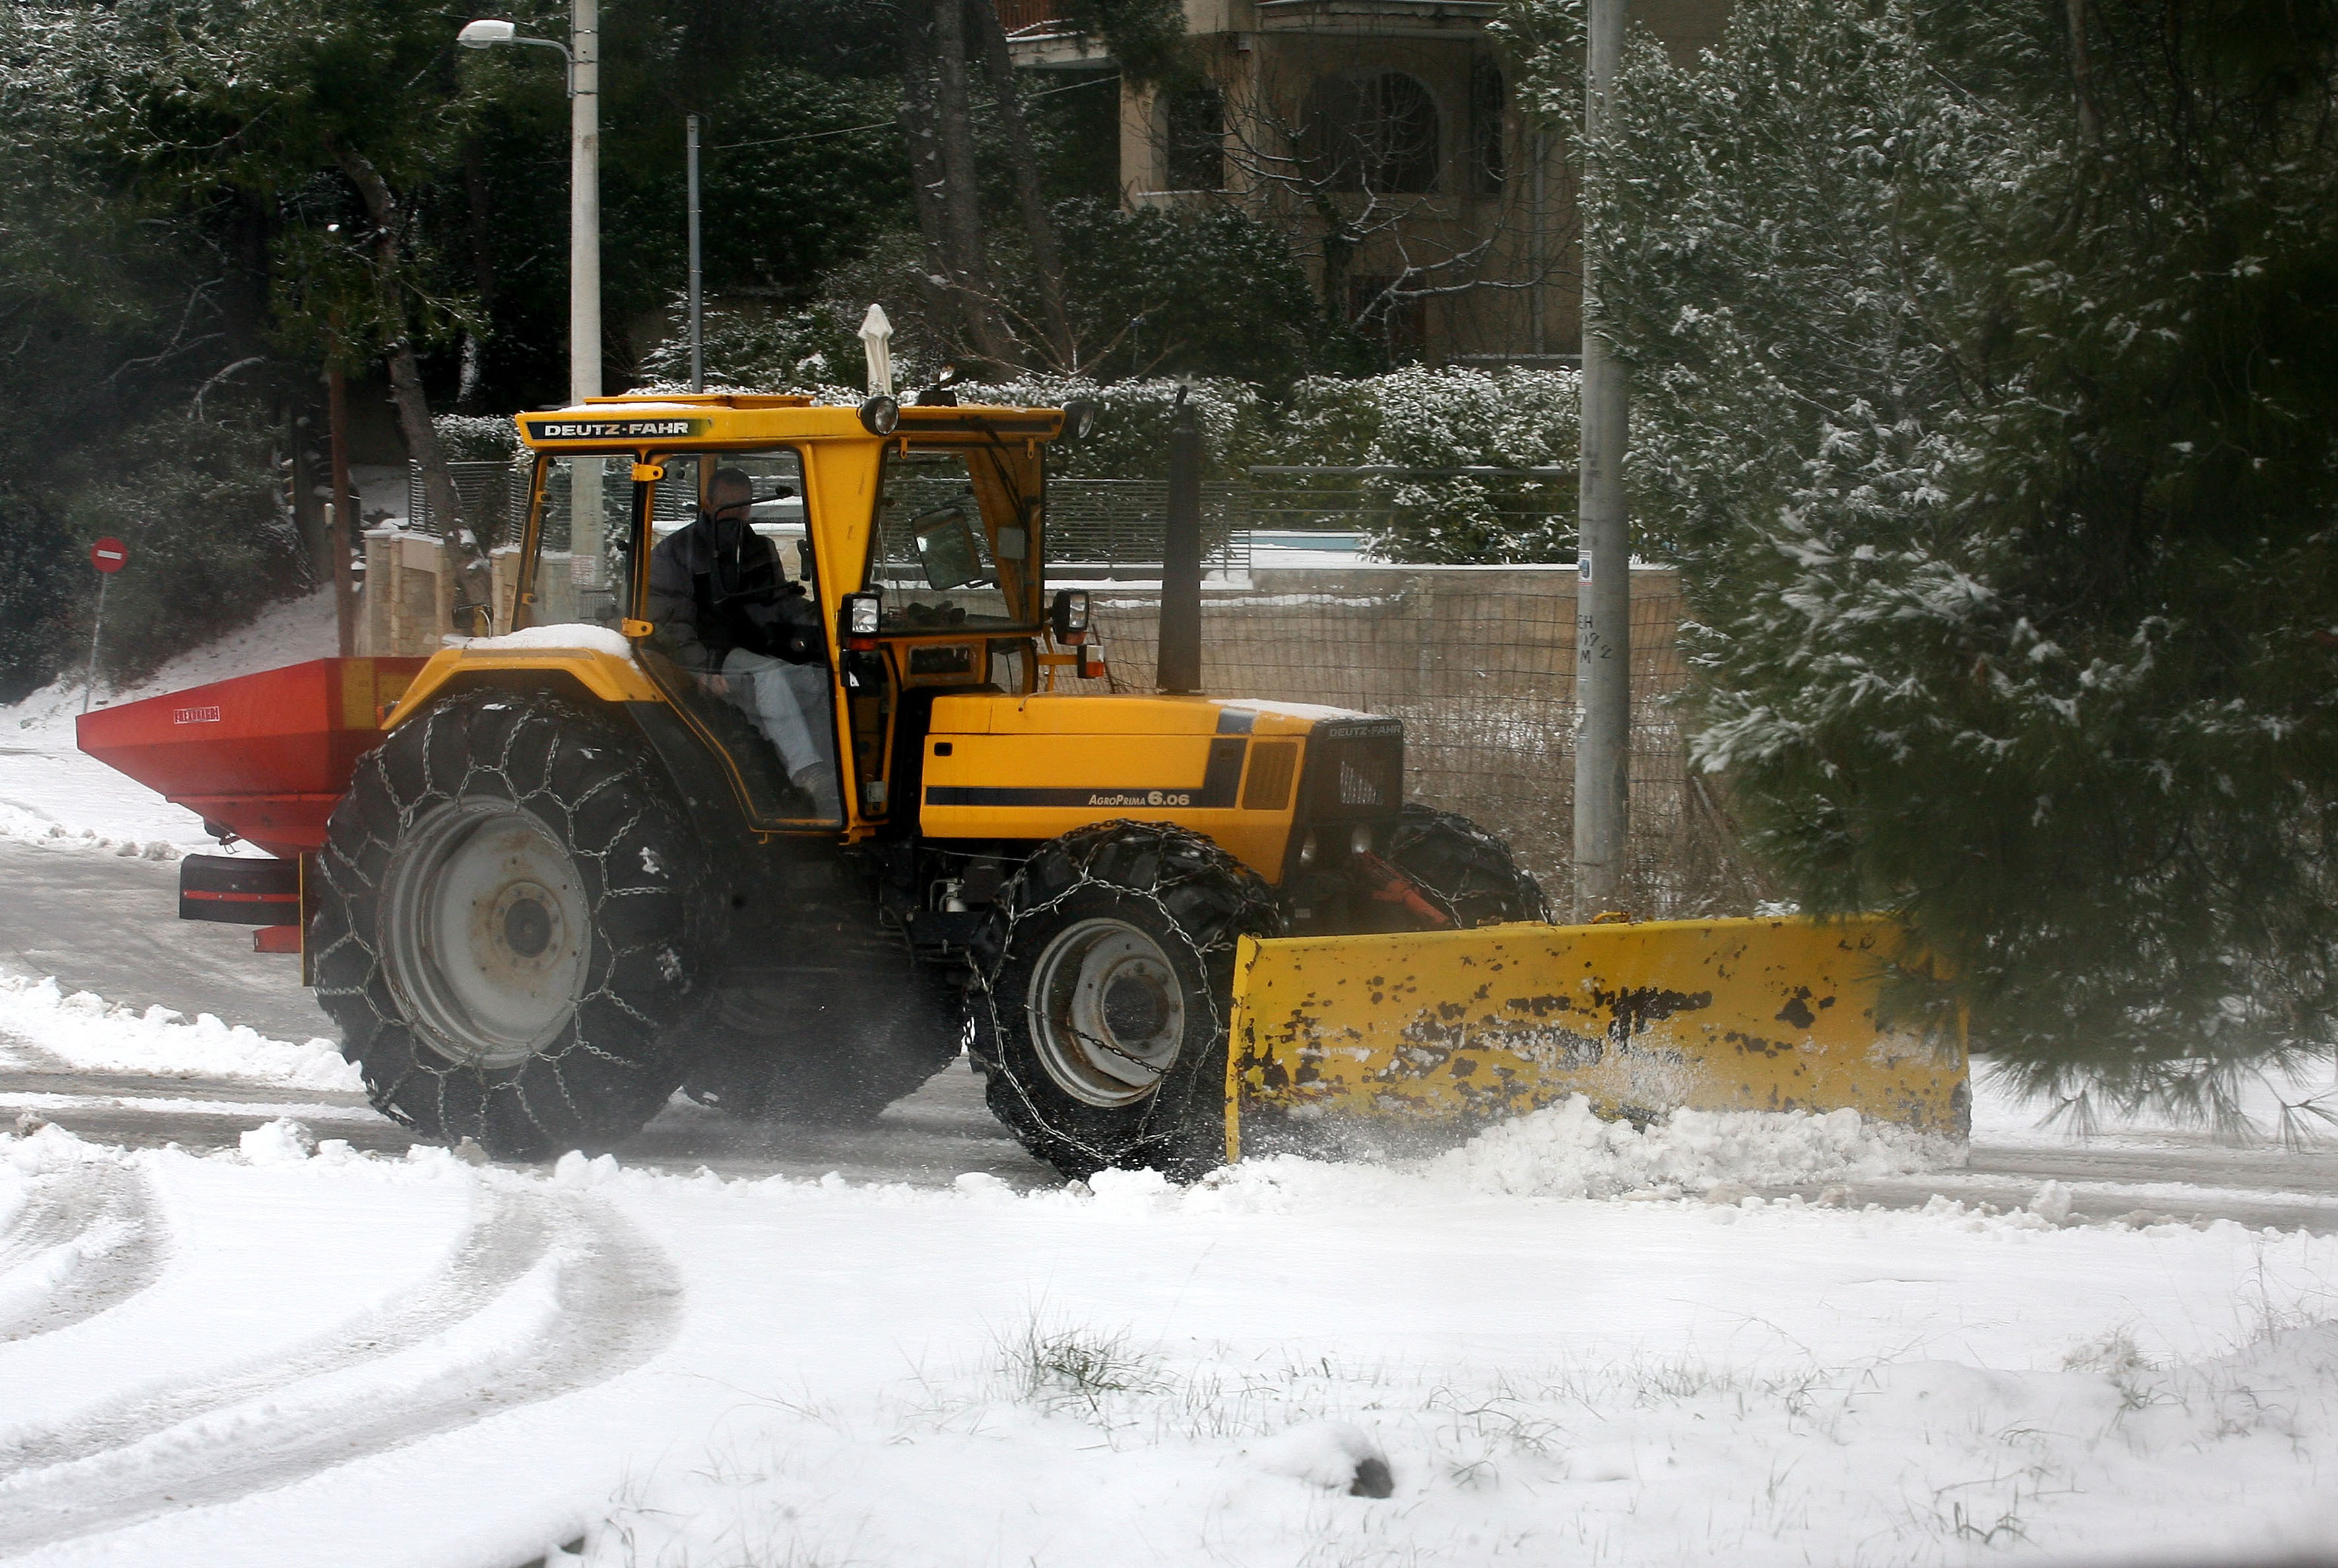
[1466,873]
[513,926]
[1103,996]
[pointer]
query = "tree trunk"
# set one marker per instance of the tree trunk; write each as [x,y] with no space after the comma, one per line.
[406,373]
[1038,224]
[927,176]
[970,268]
[483,272]
[2082,76]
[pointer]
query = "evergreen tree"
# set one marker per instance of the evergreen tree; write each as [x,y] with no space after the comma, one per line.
[1985,376]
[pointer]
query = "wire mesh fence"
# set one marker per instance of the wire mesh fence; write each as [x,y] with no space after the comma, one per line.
[1478,661]
[1480,664]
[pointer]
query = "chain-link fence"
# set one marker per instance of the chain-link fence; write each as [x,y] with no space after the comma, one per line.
[1480,664]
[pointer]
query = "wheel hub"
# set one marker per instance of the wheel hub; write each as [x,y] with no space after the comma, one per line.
[485,932]
[1107,1012]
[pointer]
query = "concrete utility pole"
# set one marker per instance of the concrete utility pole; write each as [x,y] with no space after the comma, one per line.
[1603,604]
[584,204]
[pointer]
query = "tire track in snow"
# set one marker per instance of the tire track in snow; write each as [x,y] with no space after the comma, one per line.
[555,1294]
[88,1238]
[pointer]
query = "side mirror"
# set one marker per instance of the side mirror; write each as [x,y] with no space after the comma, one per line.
[861,614]
[1067,617]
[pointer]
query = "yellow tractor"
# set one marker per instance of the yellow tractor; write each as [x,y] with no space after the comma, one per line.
[589,863]
[574,877]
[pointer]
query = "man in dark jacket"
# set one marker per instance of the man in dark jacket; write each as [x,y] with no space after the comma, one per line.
[728,615]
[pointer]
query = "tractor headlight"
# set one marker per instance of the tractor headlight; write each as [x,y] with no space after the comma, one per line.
[863,614]
[1079,419]
[879,414]
[1067,617]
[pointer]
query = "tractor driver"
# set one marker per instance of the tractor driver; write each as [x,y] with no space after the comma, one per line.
[731,619]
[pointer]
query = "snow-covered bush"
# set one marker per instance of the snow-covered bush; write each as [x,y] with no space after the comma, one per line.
[1421,418]
[476,437]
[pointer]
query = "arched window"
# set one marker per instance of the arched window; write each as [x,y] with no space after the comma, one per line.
[1370,132]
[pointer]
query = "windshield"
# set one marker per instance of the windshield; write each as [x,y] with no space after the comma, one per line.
[930,554]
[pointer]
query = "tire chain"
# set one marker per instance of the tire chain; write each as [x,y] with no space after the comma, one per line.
[1101,856]
[1490,864]
[344,867]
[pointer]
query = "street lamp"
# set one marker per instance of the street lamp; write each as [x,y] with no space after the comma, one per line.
[583,56]
[586,538]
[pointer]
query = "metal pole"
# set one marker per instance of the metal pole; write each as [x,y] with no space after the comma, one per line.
[341,516]
[1180,661]
[1603,610]
[96,626]
[584,207]
[697,323]
[586,531]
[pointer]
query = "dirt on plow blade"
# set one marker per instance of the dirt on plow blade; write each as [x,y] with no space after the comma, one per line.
[1390,1043]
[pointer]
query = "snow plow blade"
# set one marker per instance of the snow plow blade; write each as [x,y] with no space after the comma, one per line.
[1388,1043]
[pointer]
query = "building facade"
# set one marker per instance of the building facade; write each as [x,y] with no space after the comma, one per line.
[1384,138]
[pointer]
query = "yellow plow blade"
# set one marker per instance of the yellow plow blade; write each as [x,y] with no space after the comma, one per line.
[1341,1041]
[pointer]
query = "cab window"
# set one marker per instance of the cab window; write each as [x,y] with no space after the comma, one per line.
[929,552]
[581,566]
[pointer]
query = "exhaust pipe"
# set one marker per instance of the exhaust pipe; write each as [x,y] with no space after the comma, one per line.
[1180,667]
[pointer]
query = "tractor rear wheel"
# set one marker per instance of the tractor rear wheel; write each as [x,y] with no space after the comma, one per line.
[511,924]
[1466,874]
[1103,997]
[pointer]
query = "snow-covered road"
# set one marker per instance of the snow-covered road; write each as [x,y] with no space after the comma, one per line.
[242,1319]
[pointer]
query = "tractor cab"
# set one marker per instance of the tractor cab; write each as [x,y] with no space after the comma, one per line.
[911,538]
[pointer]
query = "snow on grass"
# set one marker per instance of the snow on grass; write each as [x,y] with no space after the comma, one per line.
[86,1031]
[1128,1372]
[52,794]
[1593,1382]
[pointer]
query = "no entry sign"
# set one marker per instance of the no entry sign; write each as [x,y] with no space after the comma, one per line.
[109,555]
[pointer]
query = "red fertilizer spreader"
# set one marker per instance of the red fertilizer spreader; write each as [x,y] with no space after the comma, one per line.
[262,758]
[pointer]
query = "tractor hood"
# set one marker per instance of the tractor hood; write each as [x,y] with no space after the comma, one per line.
[1031,768]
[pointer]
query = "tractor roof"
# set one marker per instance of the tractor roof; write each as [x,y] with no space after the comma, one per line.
[713,421]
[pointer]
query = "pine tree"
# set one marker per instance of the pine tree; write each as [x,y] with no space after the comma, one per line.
[1987,378]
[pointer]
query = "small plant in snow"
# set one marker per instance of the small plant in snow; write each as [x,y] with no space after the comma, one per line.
[1074,1367]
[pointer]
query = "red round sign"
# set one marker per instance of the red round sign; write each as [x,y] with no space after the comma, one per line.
[109,554]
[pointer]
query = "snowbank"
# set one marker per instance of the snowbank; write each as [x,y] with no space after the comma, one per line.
[89,1032]
[52,794]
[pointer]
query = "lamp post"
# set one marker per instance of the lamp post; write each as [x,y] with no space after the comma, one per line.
[583,56]
[582,53]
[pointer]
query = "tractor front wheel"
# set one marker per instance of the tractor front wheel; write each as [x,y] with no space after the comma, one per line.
[1465,875]
[1103,993]
[510,926]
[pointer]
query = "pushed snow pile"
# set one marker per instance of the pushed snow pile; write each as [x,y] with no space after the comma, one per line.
[1566,1151]
[1333,1454]
[282,1141]
[593,639]
[87,1031]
